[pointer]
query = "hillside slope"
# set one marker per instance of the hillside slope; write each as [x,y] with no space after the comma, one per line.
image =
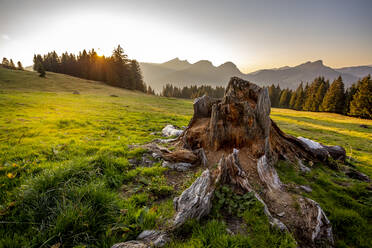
[70,174]
[53,82]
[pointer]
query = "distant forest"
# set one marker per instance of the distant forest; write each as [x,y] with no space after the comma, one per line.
[116,70]
[191,92]
[321,96]
[318,96]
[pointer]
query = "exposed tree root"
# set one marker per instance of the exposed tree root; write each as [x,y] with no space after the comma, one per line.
[237,134]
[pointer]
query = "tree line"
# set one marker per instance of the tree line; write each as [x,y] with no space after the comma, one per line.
[318,96]
[321,96]
[9,64]
[116,70]
[193,91]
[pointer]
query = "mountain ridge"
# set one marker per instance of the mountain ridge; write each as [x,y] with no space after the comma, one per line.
[183,73]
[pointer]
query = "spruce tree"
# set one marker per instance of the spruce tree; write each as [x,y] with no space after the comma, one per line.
[318,98]
[284,99]
[274,93]
[136,77]
[297,98]
[300,97]
[150,91]
[312,94]
[40,69]
[334,99]
[292,101]
[38,61]
[361,105]
[19,66]
[35,63]
[349,95]
[11,64]
[5,63]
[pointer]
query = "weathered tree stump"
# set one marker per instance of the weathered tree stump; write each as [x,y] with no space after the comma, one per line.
[237,134]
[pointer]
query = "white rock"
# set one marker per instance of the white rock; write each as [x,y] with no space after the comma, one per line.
[306,188]
[181,166]
[170,130]
[311,143]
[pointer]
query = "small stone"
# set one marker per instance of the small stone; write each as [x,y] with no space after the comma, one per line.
[170,130]
[131,244]
[307,189]
[146,162]
[357,175]
[177,166]
[156,155]
[132,161]
[281,214]
[157,238]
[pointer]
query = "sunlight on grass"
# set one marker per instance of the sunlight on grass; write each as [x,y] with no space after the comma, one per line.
[64,157]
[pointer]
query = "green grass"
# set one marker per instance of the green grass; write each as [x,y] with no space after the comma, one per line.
[346,202]
[254,232]
[331,129]
[65,176]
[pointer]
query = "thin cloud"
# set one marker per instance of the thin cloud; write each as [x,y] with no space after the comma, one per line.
[5,37]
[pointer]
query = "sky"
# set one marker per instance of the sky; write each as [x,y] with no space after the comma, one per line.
[253,34]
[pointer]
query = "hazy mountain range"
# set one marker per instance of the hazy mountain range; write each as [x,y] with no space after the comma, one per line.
[182,73]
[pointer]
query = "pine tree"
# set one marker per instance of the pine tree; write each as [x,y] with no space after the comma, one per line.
[300,97]
[297,98]
[319,96]
[361,105]
[136,77]
[38,61]
[5,63]
[334,99]
[35,63]
[285,98]
[349,95]
[150,91]
[40,69]
[19,66]
[274,93]
[312,94]
[11,64]
[83,63]
[292,101]
[306,94]
[120,68]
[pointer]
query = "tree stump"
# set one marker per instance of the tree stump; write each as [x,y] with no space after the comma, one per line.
[236,134]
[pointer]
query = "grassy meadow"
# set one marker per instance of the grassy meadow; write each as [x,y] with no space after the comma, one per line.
[65,179]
